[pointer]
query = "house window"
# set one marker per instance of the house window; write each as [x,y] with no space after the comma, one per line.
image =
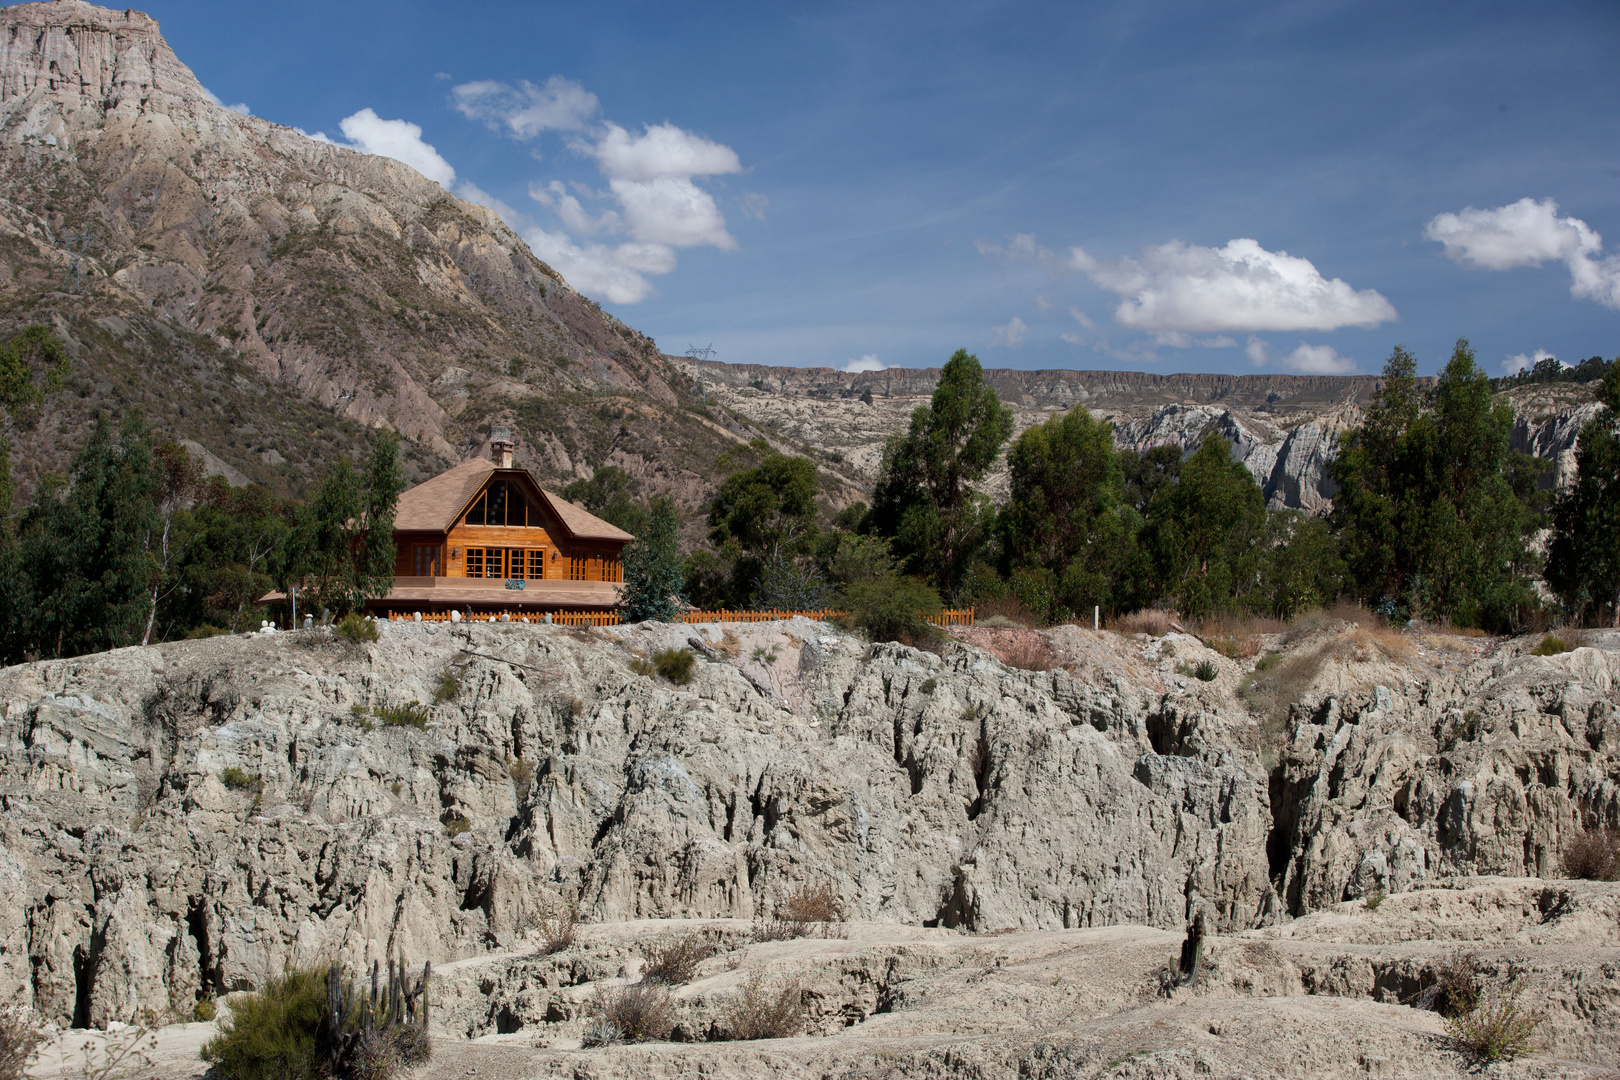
[537,564]
[427,560]
[502,503]
[475,562]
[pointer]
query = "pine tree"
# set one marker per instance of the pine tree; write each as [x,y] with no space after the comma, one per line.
[1583,558]
[925,499]
[653,571]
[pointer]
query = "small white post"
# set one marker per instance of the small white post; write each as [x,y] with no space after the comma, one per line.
[1096,616]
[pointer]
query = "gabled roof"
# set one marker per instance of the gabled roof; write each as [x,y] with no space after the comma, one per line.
[434,505]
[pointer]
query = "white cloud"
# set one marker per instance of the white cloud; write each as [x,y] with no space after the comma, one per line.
[1525,233]
[662,150]
[1529,233]
[1010,335]
[1082,318]
[595,268]
[1072,338]
[869,362]
[318,136]
[397,139]
[1042,304]
[1241,287]
[525,110]
[1020,247]
[574,215]
[1520,362]
[1306,359]
[239,107]
[671,210]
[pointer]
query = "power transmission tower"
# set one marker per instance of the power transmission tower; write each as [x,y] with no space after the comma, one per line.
[701,354]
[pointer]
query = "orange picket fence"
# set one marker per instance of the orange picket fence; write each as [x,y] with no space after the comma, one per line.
[948,617]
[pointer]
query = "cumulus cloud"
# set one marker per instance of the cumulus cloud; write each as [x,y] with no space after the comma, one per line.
[525,110]
[652,204]
[868,362]
[1082,318]
[1241,287]
[1529,233]
[1019,248]
[1522,362]
[397,139]
[1306,359]
[239,107]
[1011,335]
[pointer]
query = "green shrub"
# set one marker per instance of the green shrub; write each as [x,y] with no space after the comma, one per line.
[448,688]
[414,714]
[204,1010]
[1205,671]
[643,667]
[273,1034]
[891,608]
[356,628]
[928,686]
[1495,1027]
[455,822]
[241,780]
[1373,899]
[1551,645]
[675,665]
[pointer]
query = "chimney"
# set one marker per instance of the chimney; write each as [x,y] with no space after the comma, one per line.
[500,448]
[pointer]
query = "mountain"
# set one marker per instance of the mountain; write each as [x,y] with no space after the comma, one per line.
[269,299]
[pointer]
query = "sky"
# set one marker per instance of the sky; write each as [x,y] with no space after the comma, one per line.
[1167,187]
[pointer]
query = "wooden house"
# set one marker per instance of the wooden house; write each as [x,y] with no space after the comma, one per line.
[485,537]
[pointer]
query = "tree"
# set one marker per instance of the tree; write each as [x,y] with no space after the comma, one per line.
[342,549]
[1301,568]
[31,364]
[1434,511]
[1205,530]
[769,509]
[179,478]
[236,537]
[1064,515]
[925,499]
[611,494]
[1583,557]
[84,556]
[653,575]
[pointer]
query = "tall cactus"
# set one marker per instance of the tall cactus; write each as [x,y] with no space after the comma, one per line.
[370,1034]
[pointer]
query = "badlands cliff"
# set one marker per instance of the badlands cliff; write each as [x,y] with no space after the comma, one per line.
[1088,810]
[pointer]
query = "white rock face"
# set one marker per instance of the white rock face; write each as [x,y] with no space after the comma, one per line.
[192,817]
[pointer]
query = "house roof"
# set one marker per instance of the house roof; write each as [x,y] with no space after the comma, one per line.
[434,505]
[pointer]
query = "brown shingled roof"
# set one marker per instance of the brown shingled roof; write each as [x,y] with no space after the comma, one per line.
[434,505]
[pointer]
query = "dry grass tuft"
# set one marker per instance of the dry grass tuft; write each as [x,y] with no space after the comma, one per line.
[1368,641]
[676,962]
[1496,1027]
[1029,652]
[1151,622]
[1003,611]
[1275,684]
[1453,991]
[1593,855]
[807,911]
[559,927]
[1237,637]
[762,1010]
[21,1036]
[636,1013]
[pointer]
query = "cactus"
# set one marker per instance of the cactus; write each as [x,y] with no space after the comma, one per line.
[369,1035]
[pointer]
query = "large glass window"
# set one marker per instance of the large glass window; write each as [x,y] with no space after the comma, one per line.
[502,503]
[426,560]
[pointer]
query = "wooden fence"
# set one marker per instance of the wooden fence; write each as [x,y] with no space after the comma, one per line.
[948,617]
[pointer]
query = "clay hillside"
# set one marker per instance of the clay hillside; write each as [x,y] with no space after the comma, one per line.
[267,298]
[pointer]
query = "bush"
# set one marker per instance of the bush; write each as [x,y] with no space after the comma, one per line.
[273,1034]
[241,780]
[522,774]
[414,714]
[559,927]
[1373,899]
[600,1033]
[355,629]
[1027,650]
[1150,622]
[1551,645]
[455,822]
[891,608]
[675,665]
[763,1011]
[639,1012]
[809,910]
[448,688]
[643,667]
[1495,1027]
[204,1010]
[21,1036]
[676,962]
[1453,992]
[1593,855]
[1205,671]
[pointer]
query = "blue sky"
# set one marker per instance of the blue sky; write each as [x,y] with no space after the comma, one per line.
[1082,185]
